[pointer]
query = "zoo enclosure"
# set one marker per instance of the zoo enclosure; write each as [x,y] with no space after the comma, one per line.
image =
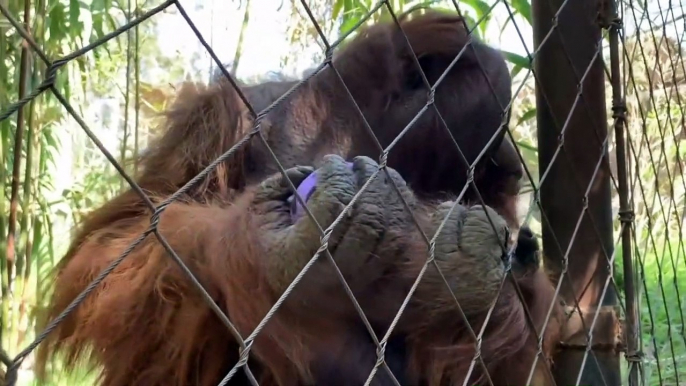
[608,192]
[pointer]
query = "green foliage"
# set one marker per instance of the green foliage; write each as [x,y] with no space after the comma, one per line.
[519,62]
[522,7]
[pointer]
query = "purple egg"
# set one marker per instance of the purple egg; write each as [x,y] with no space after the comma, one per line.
[305,190]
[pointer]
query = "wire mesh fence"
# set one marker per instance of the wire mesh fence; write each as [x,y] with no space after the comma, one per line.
[608,194]
[652,64]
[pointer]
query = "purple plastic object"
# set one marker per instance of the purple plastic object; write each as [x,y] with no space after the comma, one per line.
[305,190]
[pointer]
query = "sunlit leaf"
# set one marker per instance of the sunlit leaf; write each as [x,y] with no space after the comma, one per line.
[56,20]
[337,7]
[349,23]
[483,13]
[75,24]
[99,5]
[526,146]
[517,60]
[523,7]
[528,115]
[98,21]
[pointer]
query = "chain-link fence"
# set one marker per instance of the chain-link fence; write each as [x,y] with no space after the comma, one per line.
[652,69]
[608,192]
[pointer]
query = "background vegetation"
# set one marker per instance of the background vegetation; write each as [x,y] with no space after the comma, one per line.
[51,173]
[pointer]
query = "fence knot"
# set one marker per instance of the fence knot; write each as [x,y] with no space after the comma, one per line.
[477,354]
[537,196]
[431,96]
[561,139]
[619,110]
[259,117]
[48,82]
[470,175]
[634,357]
[383,159]
[380,353]
[244,354]
[155,218]
[507,258]
[11,375]
[432,252]
[328,56]
[51,72]
[607,17]
[627,216]
[324,240]
[617,23]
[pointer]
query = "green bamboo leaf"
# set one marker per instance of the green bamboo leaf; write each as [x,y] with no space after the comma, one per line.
[51,237]
[62,82]
[480,7]
[515,70]
[516,59]
[81,62]
[37,237]
[349,23]
[483,13]
[337,7]
[56,20]
[110,23]
[502,28]
[98,5]
[98,21]
[470,24]
[51,114]
[74,14]
[348,6]
[526,146]
[529,114]
[50,139]
[523,7]
[45,183]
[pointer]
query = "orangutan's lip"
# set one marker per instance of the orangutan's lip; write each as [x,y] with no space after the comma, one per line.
[305,191]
